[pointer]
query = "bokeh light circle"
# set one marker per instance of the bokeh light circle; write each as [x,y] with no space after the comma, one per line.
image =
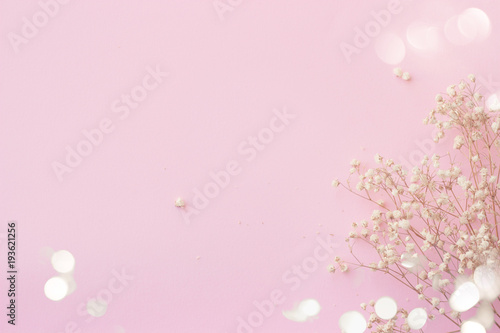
[493,102]
[56,288]
[63,261]
[352,322]
[417,318]
[386,308]
[310,307]
[487,280]
[464,297]
[471,25]
[390,49]
[422,36]
[97,307]
[472,327]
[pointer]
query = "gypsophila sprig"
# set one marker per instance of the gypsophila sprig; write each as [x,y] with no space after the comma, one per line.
[435,228]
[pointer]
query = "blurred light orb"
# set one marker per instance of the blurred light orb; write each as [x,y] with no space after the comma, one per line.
[386,308]
[63,261]
[46,252]
[417,318]
[464,297]
[295,315]
[493,102]
[352,322]
[70,280]
[303,311]
[408,261]
[56,288]
[471,25]
[487,280]
[97,307]
[474,23]
[453,34]
[119,329]
[422,36]
[310,307]
[485,315]
[390,49]
[435,282]
[472,327]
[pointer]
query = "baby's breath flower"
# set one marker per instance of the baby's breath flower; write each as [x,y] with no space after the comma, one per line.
[439,218]
[451,91]
[355,163]
[494,126]
[374,238]
[435,301]
[404,224]
[459,141]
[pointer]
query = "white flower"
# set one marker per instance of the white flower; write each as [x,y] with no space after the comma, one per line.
[406,76]
[413,188]
[335,183]
[459,141]
[355,163]
[494,126]
[472,77]
[179,202]
[404,224]
[397,71]
[451,90]
[375,215]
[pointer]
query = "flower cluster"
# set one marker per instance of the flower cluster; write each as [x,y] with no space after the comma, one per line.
[435,228]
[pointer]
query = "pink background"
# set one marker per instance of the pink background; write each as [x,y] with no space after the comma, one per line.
[116,209]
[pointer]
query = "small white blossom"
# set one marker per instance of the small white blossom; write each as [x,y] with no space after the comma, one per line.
[458,142]
[451,91]
[355,163]
[179,202]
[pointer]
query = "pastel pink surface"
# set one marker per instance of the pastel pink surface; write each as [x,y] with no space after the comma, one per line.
[115,211]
